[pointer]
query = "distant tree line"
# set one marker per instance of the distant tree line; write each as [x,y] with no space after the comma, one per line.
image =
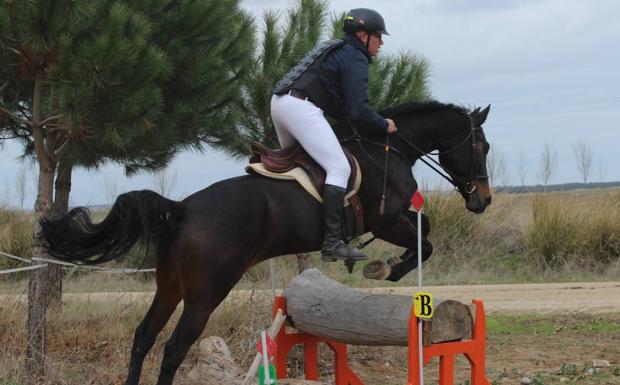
[555,187]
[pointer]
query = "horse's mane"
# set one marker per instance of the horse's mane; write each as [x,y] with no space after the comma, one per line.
[431,105]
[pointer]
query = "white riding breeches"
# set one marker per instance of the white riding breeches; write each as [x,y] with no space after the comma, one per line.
[298,120]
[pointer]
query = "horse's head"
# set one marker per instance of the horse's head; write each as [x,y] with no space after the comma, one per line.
[454,134]
[464,157]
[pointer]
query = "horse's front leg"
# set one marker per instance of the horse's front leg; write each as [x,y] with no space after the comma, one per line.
[403,232]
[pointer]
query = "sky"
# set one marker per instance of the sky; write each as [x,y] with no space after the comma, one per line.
[550,69]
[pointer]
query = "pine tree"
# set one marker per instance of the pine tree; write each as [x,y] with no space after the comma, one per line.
[134,82]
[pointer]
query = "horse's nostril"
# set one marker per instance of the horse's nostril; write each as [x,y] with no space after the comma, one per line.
[488,200]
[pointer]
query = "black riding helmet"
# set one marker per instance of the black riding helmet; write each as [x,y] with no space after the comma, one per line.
[364,19]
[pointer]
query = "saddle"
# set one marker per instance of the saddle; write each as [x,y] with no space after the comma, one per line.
[294,163]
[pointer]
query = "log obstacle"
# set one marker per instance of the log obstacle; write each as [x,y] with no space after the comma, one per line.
[324,311]
[325,308]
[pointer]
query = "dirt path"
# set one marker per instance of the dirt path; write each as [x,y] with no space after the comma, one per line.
[590,297]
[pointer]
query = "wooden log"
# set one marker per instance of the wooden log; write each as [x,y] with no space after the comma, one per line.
[320,306]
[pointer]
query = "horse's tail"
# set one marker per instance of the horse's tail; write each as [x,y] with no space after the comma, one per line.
[136,215]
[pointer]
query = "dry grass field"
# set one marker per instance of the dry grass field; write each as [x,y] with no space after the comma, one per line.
[560,237]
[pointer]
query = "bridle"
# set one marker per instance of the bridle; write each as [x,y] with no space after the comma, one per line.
[468,185]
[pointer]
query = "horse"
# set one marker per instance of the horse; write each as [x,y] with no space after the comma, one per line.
[206,242]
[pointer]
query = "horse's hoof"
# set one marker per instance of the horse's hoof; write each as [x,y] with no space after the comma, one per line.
[378,270]
[393,261]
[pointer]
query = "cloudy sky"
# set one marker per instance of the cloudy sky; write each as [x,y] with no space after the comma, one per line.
[549,68]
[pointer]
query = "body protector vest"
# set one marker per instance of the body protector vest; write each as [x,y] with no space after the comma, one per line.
[306,75]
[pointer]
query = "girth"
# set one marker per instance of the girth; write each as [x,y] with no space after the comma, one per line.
[294,163]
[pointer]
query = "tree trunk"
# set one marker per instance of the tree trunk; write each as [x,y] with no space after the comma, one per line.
[38,286]
[320,306]
[61,207]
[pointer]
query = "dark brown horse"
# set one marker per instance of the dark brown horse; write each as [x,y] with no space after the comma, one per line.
[206,242]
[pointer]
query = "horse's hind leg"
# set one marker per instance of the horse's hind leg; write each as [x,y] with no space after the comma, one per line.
[155,319]
[192,323]
[164,304]
[199,301]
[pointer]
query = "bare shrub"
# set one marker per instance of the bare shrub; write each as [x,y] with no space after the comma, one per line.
[583,156]
[496,167]
[164,182]
[21,186]
[548,166]
[110,189]
[522,168]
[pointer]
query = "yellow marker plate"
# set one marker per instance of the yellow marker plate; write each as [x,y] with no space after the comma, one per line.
[423,304]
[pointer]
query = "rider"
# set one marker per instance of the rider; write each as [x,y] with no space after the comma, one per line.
[332,79]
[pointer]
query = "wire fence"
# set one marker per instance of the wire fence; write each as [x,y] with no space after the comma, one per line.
[39,263]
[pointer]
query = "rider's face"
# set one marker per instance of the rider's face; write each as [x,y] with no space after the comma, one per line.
[375,41]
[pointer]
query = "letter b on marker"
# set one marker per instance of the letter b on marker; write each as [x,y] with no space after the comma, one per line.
[423,304]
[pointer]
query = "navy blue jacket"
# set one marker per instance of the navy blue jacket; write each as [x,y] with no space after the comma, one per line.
[349,99]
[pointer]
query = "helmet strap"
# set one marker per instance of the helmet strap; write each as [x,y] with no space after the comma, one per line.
[367,44]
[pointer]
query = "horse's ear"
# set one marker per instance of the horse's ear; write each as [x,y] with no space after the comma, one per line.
[475,112]
[482,116]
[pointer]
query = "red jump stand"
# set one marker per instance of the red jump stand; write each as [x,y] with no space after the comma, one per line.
[286,341]
[473,349]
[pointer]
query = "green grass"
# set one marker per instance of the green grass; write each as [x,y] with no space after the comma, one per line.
[599,326]
[548,325]
[520,325]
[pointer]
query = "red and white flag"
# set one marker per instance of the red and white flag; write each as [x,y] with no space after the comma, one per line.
[271,346]
[417,200]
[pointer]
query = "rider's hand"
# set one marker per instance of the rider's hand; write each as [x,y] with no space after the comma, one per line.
[391,126]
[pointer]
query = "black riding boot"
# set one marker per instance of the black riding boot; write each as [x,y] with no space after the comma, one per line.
[334,247]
